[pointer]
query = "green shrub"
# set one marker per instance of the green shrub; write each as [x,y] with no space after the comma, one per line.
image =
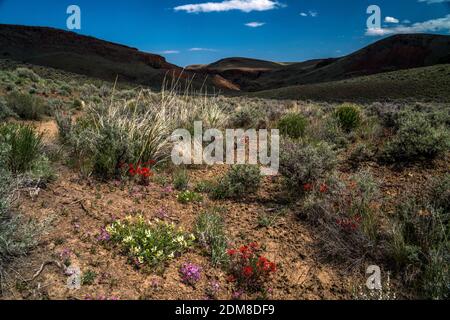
[204,187]
[293,125]
[26,73]
[88,278]
[246,118]
[180,179]
[189,196]
[360,154]
[17,235]
[23,146]
[302,163]
[419,245]
[5,111]
[151,244]
[416,139]
[64,123]
[239,181]
[209,230]
[349,116]
[439,194]
[330,131]
[26,106]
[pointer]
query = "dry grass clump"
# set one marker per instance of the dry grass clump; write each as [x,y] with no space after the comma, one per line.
[135,130]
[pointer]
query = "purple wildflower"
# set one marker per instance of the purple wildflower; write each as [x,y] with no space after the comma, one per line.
[162,213]
[65,254]
[104,235]
[190,273]
[237,294]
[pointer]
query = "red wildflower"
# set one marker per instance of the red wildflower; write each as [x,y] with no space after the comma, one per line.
[247,271]
[231,252]
[243,249]
[254,245]
[323,188]
[307,187]
[273,267]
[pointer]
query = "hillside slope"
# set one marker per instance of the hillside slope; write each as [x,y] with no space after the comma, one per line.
[89,56]
[424,84]
[397,52]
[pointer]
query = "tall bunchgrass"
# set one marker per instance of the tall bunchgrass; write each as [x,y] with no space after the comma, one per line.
[139,129]
[21,145]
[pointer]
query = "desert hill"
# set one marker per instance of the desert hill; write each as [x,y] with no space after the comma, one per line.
[89,56]
[397,52]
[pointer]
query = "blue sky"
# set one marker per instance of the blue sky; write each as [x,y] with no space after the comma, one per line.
[202,31]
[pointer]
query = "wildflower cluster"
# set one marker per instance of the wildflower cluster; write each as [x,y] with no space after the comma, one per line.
[149,243]
[189,196]
[248,268]
[190,273]
[142,170]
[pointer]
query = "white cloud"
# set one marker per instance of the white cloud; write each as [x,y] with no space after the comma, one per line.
[170,52]
[434,1]
[435,25]
[202,49]
[228,5]
[310,13]
[391,20]
[255,24]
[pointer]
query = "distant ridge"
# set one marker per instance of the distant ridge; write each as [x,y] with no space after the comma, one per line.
[87,55]
[394,53]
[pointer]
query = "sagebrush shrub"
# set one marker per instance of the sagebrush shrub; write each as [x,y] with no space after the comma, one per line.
[239,181]
[23,145]
[361,153]
[416,139]
[245,118]
[27,74]
[5,111]
[64,123]
[439,193]
[26,106]
[349,116]
[293,125]
[419,245]
[16,234]
[302,163]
